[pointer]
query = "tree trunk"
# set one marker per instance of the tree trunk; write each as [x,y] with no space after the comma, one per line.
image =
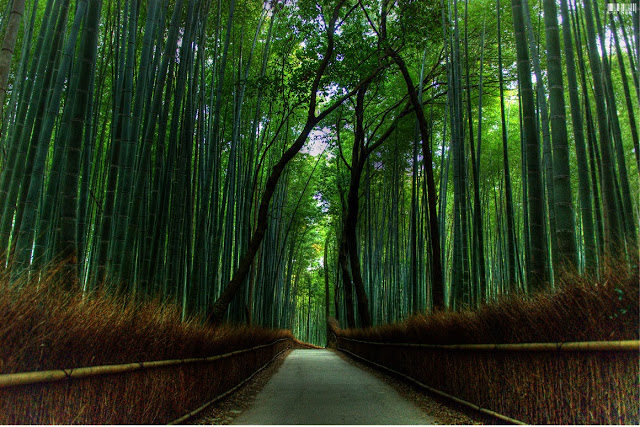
[437,282]
[346,282]
[219,308]
[613,234]
[627,93]
[578,135]
[8,45]
[537,262]
[69,217]
[565,224]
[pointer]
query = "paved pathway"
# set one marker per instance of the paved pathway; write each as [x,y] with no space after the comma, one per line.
[318,387]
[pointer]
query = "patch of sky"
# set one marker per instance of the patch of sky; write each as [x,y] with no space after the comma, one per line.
[317,142]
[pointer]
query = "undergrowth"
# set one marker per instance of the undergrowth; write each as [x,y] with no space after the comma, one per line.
[43,327]
[536,387]
[579,309]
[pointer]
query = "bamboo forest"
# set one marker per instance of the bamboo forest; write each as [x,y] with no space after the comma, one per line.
[374,207]
[280,162]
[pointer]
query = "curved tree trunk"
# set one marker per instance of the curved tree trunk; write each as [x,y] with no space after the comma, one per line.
[353,207]
[219,308]
[437,282]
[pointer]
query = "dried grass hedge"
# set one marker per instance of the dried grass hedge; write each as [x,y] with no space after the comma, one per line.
[44,328]
[541,387]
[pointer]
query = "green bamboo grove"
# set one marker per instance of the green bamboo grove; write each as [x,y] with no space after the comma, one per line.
[280,162]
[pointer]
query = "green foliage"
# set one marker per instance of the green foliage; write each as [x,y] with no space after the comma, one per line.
[170,158]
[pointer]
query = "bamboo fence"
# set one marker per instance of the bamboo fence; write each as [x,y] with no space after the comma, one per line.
[195,412]
[441,393]
[41,377]
[153,392]
[538,383]
[626,345]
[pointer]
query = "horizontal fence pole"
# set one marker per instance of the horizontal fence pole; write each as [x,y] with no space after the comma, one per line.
[628,345]
[39,377]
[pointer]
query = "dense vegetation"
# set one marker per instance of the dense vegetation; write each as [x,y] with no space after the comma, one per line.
[275,163]
[46,330]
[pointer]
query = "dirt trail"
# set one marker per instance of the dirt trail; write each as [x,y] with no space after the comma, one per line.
[318,387]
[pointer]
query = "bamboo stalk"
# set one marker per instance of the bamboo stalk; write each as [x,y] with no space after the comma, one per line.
[626,345]
[27,378]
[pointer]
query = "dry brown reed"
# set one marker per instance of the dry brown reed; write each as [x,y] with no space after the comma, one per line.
[578,310]
[542,387]
[155,396]
[44,327]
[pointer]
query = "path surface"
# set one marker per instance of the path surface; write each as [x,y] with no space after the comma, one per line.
[318,387]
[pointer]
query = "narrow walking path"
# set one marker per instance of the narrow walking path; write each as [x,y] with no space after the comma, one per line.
[318,387]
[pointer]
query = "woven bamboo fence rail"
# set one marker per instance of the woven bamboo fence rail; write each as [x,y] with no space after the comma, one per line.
[40,377]
[626,345]
[535,383]
[153,392]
